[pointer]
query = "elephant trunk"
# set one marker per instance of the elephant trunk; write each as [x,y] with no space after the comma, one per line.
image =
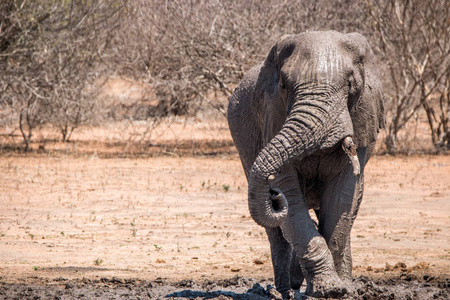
[314,123]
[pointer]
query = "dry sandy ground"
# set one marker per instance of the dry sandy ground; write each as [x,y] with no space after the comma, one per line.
[69,220]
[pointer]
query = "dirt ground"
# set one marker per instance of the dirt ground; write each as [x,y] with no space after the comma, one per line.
[97,226]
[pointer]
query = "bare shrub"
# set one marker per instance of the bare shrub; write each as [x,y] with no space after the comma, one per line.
[49,58]
[189,55]
[187,49]
[414,46]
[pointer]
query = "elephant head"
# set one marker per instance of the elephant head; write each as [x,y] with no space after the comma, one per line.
[323,90]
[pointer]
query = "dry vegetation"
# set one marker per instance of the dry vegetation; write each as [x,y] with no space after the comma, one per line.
[58,58]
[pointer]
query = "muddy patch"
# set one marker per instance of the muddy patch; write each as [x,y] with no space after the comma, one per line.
[233,288]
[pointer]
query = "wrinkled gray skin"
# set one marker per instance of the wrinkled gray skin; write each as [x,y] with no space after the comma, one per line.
[305,122]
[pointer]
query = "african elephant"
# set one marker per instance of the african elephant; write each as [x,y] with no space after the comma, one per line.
[305,122]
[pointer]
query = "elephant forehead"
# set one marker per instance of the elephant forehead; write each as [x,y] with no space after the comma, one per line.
[329,62]
[322,63]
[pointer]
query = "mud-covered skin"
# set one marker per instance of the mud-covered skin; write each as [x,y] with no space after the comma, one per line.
[305,122]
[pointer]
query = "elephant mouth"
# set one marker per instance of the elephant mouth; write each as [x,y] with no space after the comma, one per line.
[350,149]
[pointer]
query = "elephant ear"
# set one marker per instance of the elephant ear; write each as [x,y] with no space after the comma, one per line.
[270,104]
[255,101]
[368,112]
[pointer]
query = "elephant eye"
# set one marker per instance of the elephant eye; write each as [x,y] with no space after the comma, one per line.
[352,91]
[282,79]
[351,85]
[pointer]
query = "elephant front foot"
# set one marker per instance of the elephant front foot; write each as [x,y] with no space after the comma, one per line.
[295,273]
[325,286]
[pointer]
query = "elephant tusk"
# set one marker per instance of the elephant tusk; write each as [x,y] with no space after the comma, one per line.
[350,149]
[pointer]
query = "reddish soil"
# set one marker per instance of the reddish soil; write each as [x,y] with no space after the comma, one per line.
[77,222]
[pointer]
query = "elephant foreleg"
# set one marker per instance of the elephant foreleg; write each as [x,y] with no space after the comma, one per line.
[311,250]
[339,205]
[314,257]
[295,273]
[281,252]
